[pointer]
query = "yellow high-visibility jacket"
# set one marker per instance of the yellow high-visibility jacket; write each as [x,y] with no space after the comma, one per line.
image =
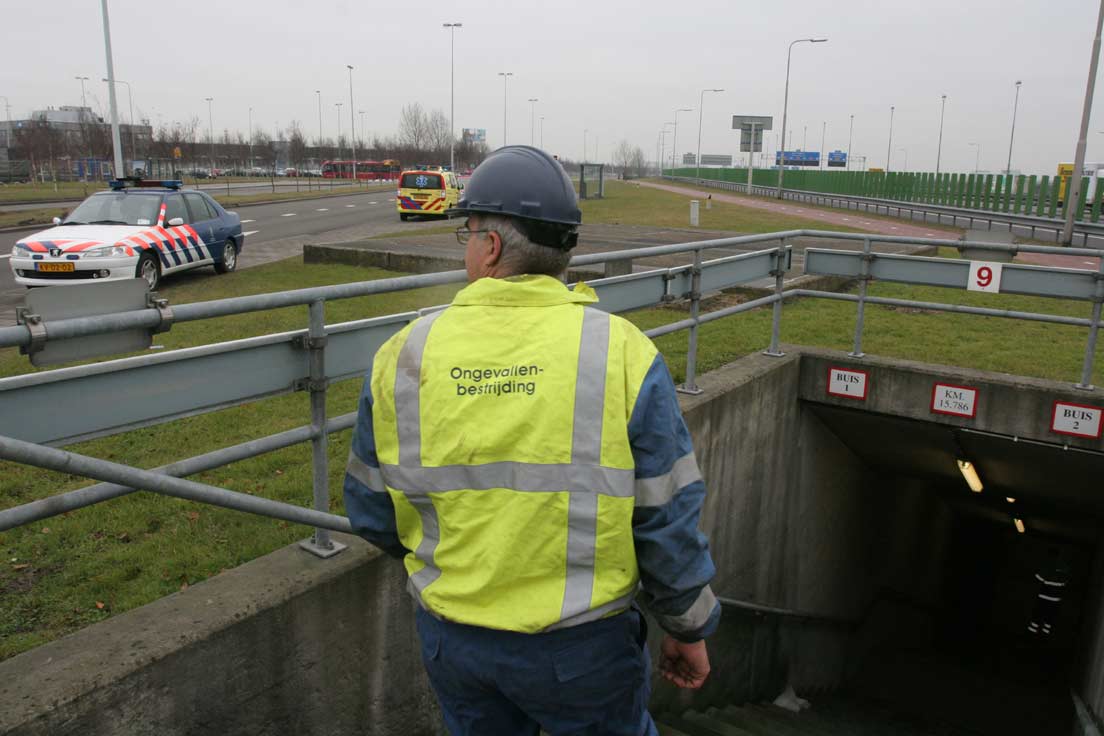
[494,452]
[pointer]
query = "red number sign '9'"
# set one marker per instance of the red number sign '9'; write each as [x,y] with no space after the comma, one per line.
[984,276]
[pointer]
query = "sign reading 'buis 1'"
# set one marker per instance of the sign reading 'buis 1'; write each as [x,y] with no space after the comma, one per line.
[849,383]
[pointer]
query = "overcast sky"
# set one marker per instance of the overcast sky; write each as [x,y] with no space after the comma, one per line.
[615,68]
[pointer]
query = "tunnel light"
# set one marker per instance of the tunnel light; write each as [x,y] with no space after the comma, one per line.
[1009,499]
[970,474]
[1019,525]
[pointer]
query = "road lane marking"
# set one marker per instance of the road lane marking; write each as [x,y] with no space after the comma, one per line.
[245,221]
[9,256]
[350,205]
[323,209]
[373,203]
[288,214]
[250,232]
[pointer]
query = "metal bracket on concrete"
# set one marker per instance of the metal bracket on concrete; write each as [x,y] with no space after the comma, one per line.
[306,342]
[162,306]
[329,549]
[34,325]
[667,297]
[310,384]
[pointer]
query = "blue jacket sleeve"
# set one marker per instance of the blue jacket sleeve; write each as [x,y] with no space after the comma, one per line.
[672,555]
[367,502]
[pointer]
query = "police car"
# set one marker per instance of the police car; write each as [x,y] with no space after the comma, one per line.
[136,229]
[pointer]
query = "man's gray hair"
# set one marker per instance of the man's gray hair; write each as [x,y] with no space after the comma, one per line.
[519,254]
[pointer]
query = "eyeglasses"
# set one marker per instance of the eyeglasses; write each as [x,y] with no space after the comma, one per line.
[463,233]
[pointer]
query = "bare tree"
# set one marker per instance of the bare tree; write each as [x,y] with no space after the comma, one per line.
[622,156]
[440,133]
[297,144]
[413,127]
[638,164]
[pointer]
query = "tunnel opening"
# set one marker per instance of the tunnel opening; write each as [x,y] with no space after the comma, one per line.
[989,597]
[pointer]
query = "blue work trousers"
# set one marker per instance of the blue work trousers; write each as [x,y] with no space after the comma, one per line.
[588,679]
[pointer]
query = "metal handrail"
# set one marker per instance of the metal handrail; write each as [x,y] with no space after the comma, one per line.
[791,613]
[1085,718]
[682,281]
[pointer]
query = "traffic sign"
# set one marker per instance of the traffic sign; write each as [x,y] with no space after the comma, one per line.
[761,122]
[799,158]
[837,158]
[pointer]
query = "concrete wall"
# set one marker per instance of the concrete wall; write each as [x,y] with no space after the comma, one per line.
[286,644]
[293,644]
[1091,685]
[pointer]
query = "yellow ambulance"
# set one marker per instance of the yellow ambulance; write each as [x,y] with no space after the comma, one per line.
[427,192]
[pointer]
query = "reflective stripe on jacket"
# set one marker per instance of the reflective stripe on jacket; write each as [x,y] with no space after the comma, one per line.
[497,435]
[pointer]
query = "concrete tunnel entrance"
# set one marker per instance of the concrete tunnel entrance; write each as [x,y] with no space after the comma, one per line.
[983,652]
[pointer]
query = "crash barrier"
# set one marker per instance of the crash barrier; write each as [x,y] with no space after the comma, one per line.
[1087,233]
[1017,194]
[34,408]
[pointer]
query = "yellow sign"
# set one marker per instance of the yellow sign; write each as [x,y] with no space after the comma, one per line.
[176,152]
[1065,171]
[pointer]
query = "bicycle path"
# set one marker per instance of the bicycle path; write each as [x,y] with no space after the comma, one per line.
[861,222]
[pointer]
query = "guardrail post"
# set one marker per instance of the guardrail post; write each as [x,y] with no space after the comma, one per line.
[776,322]
[320,543]
[1094,331]
[864,280]
[690,386]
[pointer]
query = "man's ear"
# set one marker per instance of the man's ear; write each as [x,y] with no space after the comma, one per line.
[493,253]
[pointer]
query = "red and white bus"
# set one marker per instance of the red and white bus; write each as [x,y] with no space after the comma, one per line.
[369,170]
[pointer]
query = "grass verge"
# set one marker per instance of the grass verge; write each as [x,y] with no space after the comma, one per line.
[30,217]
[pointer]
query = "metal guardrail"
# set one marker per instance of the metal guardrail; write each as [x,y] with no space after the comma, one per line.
[35,411]
[1036,228]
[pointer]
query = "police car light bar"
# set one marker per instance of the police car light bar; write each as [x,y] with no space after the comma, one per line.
[131,182]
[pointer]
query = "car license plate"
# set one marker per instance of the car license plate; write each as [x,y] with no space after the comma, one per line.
[55,267]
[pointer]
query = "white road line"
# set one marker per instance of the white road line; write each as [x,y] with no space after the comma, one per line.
[373,203]
[250,232]
[323,209]
[1088,262]
[245,221]
[9,256]
[350,205]
[288,214]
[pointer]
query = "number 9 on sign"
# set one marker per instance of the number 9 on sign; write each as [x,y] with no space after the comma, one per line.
[984,276]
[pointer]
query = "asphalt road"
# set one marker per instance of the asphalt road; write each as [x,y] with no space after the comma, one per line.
[272,232]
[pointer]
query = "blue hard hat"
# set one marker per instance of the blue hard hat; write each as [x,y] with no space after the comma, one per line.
[526,183]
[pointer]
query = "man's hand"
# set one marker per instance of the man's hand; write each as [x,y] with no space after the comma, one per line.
[686,665]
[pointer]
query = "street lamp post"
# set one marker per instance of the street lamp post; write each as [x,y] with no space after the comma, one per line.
[532,112]
[452,91]
[904,151]
[83,103]
[352,122]
[977,156]
[674,140]
[542,132]
[785,109]
[1079,160]
[823,133]
[505,78]
[319,93]
[850,133]
[211,132]
[116,144]
[251,140]
[1012,135]
[337,174]
[889,148]
[701,104]
[939,148]
[584,144]
[130,100]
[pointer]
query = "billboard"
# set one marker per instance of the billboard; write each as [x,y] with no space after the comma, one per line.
[837,158]
[798,158]
[688,159]
[474,135]
[716,159]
